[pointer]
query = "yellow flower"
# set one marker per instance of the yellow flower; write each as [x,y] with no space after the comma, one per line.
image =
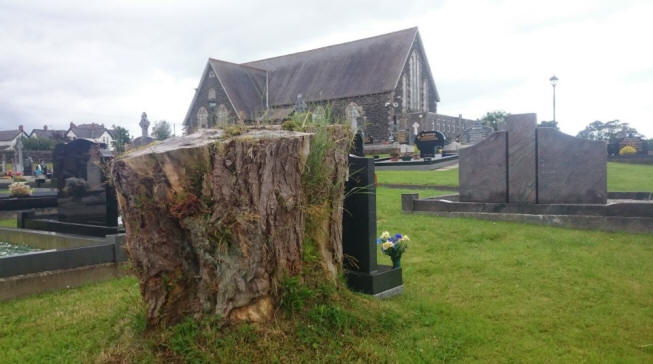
[405,237]
[387,245]
[385,235]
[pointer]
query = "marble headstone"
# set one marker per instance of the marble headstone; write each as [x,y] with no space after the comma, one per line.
[521,158]
[570,170]
[483,170]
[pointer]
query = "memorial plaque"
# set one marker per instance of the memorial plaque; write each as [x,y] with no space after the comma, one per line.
[521,158]
[427,141]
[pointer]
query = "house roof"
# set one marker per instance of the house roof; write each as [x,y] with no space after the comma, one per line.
[88,131]
[361,67]
[8,135]
[48,133]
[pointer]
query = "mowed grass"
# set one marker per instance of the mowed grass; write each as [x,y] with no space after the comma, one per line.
[621,177]
[630,177]
[474,291]
[8,223]
[424,178]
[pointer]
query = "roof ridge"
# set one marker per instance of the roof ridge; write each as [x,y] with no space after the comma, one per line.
[246,64]
[237,64]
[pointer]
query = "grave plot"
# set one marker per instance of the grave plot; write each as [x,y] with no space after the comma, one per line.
[538,175]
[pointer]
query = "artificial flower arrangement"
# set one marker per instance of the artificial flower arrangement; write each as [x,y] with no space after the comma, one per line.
[19,189]
[393,246]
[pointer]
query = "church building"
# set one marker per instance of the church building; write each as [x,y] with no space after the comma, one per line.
[380,85]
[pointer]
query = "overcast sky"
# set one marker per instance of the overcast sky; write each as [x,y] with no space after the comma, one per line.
[108,61]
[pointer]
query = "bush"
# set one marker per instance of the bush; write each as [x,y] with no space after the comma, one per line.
[18,189]
[75,187]
[19,178]
[627,150]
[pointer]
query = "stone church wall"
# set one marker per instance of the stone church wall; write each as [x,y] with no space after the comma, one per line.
[202,100]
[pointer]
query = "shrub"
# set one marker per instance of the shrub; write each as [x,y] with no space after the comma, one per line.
[75,187]
[19,178]
[627,150]
[18,189]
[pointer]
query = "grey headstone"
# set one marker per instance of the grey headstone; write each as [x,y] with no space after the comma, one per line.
[570,170]
[521,158]
[483,170]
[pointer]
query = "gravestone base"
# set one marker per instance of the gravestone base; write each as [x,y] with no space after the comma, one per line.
[381,282]
[627,211]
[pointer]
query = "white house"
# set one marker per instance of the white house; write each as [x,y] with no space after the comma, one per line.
[8,140]
[96,133]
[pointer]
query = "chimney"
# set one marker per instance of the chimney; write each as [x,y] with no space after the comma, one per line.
[20,128]
[45,127]
[72,125]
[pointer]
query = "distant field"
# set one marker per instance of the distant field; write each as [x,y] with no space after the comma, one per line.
[621,177]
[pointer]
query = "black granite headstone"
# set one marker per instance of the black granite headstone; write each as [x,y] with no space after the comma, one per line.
[94,201]
[359,234]
[427,141]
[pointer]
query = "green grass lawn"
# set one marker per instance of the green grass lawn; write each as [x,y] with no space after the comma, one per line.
[621,177]
[630,177]
[426,178]
[8,223]
[474,291]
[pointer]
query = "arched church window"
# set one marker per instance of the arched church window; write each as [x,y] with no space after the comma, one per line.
[202,118]
[211,94]
[354,115]
[222,116]
[425,99]
[404,94]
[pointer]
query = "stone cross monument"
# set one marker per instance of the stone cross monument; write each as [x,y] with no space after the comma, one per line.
[144,124]
[18,156]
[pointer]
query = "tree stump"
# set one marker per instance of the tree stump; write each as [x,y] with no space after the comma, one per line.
[215,222]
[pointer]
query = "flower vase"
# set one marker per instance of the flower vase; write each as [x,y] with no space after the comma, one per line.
[396,262]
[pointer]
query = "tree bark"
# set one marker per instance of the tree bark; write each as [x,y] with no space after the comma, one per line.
[214,223]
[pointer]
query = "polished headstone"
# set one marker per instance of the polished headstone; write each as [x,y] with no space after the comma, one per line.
[570,170]
[521,158]
[483,170]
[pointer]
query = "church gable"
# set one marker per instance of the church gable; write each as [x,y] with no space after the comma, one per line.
[209,104]
[416,87]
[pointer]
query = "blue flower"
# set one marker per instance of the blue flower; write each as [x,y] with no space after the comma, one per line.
[397,236]
[378,241]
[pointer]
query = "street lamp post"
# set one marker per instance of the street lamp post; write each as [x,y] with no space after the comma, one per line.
[554,82]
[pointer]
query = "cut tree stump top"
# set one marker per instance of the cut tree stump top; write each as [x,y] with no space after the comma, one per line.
[208,136]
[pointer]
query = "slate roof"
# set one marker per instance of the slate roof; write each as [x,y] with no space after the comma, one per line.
[49,134]
[245,86]
[361,67]
[8,135]
[88,131]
